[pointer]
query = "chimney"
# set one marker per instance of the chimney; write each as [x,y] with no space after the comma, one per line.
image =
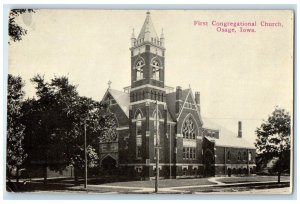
[240,129]
[178,102]
[197,99]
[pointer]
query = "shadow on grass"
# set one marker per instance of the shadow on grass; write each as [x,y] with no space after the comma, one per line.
[34,186]
[59,184]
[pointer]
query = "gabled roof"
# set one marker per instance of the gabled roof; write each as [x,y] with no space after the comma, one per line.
[171,98]
[148,27]
[122,99]
[169,117]
[227,138]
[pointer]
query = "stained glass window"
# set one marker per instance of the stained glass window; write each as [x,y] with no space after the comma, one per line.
[110,134]
[139,135]
[138,124]
[188,130]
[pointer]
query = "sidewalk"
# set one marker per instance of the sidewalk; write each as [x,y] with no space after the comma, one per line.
[180,189]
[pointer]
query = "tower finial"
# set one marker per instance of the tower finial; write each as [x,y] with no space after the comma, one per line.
[109,84]
[132,36]
[162,33]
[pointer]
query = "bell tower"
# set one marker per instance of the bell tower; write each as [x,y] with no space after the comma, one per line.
[147,94]
[147,63]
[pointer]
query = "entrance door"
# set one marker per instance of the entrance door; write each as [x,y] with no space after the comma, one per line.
[109,165]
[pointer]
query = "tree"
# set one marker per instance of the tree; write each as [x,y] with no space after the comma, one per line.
[85,114]
[15,31]
[55,124]
[40,119]
[274,139]
[15,129]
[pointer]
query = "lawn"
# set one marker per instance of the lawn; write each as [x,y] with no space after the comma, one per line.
[95,184]
[165,183]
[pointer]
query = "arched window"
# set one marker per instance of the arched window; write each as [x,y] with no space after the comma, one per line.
[139,124]
[228,156]
[110,134]
[155,70]
[239,155]
[245,156]
[138,135]
[250,156]
[158,96]
[139,70]
[188,130]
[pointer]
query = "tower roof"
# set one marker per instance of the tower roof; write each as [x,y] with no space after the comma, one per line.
[148,28]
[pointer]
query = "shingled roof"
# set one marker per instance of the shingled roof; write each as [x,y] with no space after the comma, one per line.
[122,98]
[148,27]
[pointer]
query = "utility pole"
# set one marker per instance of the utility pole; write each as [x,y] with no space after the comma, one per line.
[157,150]
[170,152]
[85,156]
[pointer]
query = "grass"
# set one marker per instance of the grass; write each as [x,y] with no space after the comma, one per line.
[165,183]
[67,185]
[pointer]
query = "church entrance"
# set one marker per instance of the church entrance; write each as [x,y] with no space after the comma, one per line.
[109,165]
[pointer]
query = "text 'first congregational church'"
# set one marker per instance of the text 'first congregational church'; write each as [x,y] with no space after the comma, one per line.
[190,145]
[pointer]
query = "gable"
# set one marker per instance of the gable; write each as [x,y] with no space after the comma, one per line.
[189,103]
[109,98]
[118,98]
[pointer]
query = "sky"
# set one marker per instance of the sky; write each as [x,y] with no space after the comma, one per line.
[240,76]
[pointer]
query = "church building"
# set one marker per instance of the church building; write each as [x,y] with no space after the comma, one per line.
[189,144]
